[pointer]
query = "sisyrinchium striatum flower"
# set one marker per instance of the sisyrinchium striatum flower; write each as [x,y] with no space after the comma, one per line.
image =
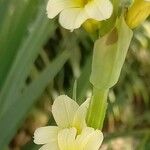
[75,12]
[71,132]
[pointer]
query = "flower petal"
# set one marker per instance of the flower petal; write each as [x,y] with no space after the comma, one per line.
[90,139]
[46,135]
[49,147]
[95,140]
[99,9]
[54,7]
[80,116]
[66,139]
[82,139]
[64,109]
[72,18]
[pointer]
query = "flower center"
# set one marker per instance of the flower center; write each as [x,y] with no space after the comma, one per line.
[83,2]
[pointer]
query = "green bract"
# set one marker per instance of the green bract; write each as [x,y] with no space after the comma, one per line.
[108,58]
[109,55]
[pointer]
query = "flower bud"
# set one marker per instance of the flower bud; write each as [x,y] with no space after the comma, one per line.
[137,13]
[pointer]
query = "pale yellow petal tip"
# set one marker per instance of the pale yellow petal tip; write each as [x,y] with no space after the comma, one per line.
[48,13]
[107,9]
[90,138]
[63,110]
[58,100]
[47,134]
[63,99]
[54,7]
[39,136]
[36,137]
[100,134]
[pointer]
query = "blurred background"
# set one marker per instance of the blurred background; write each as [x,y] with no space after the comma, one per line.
[40,60]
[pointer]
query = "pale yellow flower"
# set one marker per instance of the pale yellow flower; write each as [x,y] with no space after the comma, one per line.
[72,132]
[75,12]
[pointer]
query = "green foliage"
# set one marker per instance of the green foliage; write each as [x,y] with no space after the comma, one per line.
[39,60]
[18,53]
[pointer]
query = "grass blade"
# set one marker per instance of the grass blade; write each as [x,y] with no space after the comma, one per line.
[24,60]
[12,118]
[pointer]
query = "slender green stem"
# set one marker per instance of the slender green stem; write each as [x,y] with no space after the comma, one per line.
[75,90]
[97,108]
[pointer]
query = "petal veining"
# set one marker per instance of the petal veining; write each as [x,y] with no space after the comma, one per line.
[66,139]
[90,139]
[54,7]
[80,116]
[99,9]
[95,141]
[63,110]
[72,18]
[46,135]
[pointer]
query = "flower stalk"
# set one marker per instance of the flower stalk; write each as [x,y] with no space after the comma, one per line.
[97,108]
[108,58]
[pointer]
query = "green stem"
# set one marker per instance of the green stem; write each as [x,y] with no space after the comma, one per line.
[97,109]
